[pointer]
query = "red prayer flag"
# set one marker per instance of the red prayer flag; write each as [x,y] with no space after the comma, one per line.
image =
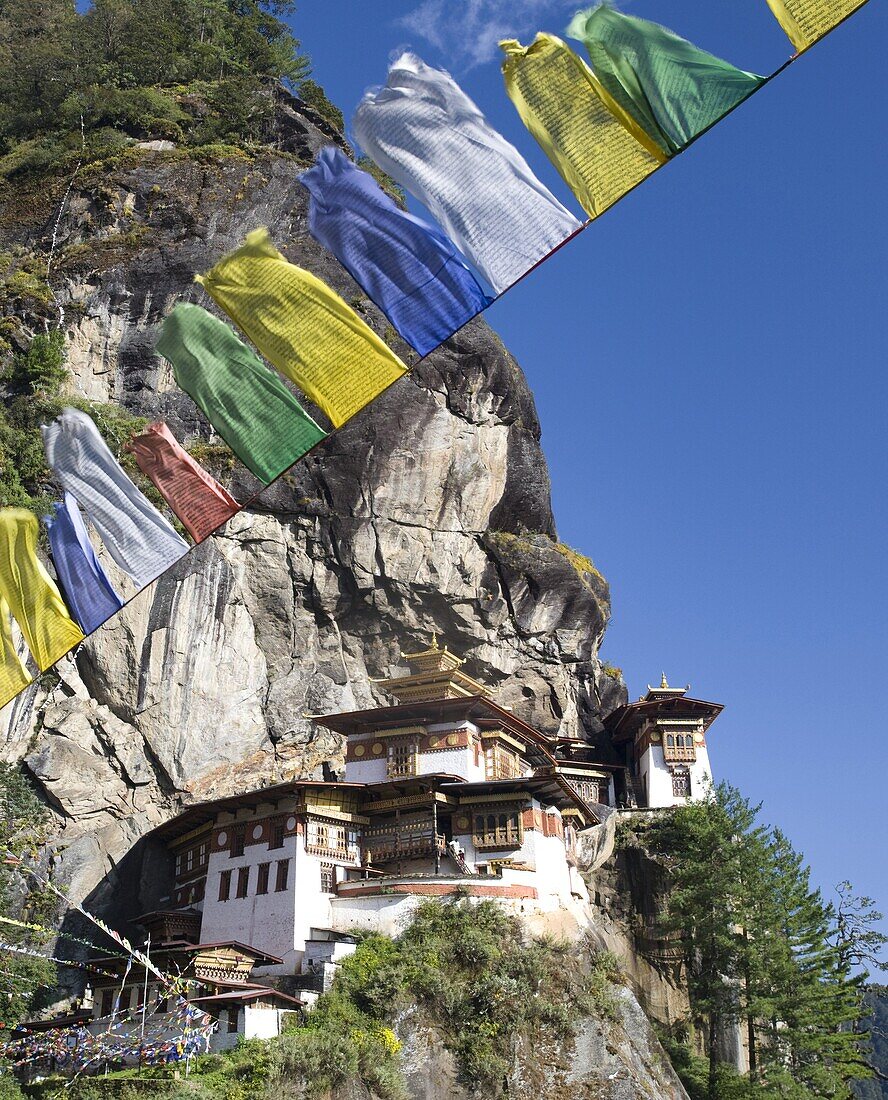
[198,500]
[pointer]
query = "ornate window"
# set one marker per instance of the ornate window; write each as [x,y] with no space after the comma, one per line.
[591,790]
[681,783]
[328,878]
[679,746]
[331,838]
[501,763]
[500,828]
[401,759]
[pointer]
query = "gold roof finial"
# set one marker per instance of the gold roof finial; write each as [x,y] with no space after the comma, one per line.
[434,644]
[663,681]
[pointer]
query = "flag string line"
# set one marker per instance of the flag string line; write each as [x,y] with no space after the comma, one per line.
[256,499]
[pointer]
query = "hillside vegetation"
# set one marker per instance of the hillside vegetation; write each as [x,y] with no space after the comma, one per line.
[196,72]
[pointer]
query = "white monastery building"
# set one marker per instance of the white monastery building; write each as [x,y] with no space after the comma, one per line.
[444,791]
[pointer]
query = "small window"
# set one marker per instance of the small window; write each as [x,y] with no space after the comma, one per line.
[202,854]
[238,839]
[225,886]
[232,1020]
[670,741]
[107,1002]
[262,878]
[243,881]
[328,878]
[401,759]
[276,839]
[282,875]
[681,784]
[179,864]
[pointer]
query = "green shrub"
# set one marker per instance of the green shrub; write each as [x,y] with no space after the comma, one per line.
[314,95]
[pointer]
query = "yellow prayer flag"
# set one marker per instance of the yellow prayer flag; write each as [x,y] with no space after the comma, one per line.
[13,674]
[302,327]
[30,591]
[597,147]
[805,21]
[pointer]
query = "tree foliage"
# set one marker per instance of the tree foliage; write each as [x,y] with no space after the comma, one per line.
[191,71]
[763,950]
[23,819]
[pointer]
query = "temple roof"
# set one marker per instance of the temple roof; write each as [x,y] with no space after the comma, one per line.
[202,813]
[481,710]
[623,723]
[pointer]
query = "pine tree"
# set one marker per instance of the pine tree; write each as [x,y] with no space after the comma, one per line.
[761,945]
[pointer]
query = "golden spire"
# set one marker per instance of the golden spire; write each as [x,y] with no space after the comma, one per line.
[663,681]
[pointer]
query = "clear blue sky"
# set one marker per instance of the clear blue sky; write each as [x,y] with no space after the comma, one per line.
[709,365]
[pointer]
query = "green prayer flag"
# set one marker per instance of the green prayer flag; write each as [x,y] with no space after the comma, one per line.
[672,89]
[245,401]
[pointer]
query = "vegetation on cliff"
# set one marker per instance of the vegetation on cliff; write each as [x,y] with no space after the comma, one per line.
[24,979]
[470,970]
[196,72]
[763,950]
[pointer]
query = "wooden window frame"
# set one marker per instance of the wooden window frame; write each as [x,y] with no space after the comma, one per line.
[243,882]
[328,877]
[409,748]
[224,886]
[491,832]
[683,779]
[262,876]
[238,843]
[281,876]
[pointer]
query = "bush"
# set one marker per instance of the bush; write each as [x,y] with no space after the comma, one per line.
[314,95]
[9,1088]
[140,112]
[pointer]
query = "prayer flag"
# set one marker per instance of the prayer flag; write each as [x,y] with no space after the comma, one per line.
[88,591]
[135,534]
[432,139]
[303,328]
[198,500]
[671,88]
[411,270]
[245,401]
[596,146]
[31,593]
[14,677]
[807,20]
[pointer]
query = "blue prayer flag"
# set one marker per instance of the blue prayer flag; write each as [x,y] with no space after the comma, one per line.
[410,269]
[90,597]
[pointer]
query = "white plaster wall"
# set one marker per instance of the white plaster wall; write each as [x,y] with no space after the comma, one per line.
[460,762]
[266,921]
[701,774]
[659,779]
[388,914]
[262,1023]
[366,771]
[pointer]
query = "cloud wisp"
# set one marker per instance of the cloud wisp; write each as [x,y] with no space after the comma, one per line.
[466,32]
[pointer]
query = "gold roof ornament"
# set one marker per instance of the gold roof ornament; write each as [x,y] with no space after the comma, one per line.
[434,674]
[664,683]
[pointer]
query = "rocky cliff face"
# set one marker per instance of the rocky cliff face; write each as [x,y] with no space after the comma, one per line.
[430,511]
